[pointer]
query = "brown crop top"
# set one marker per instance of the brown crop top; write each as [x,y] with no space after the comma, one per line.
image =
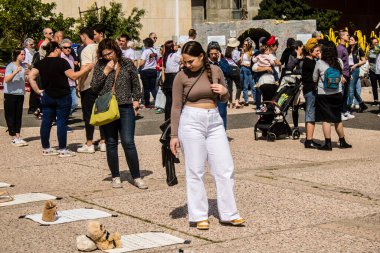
[200,93]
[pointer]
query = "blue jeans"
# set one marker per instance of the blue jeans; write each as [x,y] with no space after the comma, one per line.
[54,108]
[74,98]
[352,91]
[222,108]
[126,127]
[358,90]
[310,107]
[247,79]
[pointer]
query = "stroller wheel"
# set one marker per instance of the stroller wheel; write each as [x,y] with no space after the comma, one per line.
[296,134]
[271,137]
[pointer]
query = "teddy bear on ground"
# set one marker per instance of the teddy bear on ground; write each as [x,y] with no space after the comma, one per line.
[102,238]
[49,213]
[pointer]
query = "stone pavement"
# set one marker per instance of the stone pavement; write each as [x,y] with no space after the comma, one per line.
[294,200]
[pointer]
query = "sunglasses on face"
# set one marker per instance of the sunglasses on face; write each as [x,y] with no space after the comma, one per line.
[66,47]
[155,38]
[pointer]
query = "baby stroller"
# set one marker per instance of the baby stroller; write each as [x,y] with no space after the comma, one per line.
[272,122]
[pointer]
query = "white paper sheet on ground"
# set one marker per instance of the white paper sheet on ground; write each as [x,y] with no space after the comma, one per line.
[4,185]
[145,241]
[71,216]
[28,197]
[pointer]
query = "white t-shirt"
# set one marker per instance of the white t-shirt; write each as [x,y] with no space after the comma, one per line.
[88,56]
[172,63]
[28,56]
[236,55]
[129,53]
[150,56]
[246,59]
[350,60]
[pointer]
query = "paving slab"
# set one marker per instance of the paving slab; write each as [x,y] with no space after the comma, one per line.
[297,240]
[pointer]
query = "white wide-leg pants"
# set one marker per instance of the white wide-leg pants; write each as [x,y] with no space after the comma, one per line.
[203,137]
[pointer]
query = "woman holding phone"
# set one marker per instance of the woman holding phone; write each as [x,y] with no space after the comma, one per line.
[112,70]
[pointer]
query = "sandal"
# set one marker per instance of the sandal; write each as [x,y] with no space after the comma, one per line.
[236,222]
[5,197]
[203,225]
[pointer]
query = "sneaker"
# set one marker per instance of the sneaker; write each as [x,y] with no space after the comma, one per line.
[86,149]
[349,115]
[140,183]
[236,222]
[343,117]
[24,143]
[159,111]
[17,143]
[102,147]
[203,225]
[66,153]
[116,182]
[49,152]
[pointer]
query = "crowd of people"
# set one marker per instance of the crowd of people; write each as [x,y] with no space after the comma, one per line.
[198,86]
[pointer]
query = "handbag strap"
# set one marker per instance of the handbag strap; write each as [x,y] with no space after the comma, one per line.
[114,81]
[196,80]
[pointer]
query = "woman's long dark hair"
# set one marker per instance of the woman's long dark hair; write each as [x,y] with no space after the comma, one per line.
[50,47]
[355,47]
[169,49]
[330,56]
[109,44]
[16,53]
[195,49]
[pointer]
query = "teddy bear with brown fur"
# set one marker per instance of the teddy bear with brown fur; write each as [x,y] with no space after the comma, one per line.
[103,239]
[49,213]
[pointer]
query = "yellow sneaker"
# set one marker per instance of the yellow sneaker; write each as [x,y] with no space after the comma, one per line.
[203,225]
[236,222]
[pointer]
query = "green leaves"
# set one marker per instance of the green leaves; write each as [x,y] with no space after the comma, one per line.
[297,10]
[114,20]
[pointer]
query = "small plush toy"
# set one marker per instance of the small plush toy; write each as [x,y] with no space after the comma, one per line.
[102,238]
[50,212]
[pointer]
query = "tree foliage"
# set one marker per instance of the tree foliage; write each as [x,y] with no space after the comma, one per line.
[298,10]
[21,19]
[114,20]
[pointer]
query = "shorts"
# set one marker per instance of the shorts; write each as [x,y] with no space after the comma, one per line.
[310,107]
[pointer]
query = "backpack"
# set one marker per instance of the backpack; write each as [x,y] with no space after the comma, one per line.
[332,79]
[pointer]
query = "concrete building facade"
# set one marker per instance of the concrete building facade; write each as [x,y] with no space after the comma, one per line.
[160,16]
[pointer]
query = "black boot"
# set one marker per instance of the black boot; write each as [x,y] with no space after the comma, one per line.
[363,107]
[343,143]
[327,146]
[311,144]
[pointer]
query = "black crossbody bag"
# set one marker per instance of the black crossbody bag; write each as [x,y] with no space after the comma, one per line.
[166,126]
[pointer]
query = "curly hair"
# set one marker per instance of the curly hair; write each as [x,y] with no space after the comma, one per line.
[330,56]
[195,49]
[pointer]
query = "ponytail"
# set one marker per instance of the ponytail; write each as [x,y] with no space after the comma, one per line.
[208,68]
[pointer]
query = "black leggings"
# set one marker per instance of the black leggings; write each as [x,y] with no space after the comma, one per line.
[87,100]
[13,105]
[239,88]
[375,81]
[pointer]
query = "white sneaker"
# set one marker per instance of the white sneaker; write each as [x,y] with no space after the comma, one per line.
[49,152]
[66,153]
[343,117]
[24,143]
[140,183]
[116,182]
[349,115]
[102,147]
[18,142]
[86,149]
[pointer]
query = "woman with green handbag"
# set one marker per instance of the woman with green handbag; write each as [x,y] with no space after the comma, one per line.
[114,73]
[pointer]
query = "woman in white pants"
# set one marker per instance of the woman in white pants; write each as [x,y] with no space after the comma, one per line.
[198,129]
